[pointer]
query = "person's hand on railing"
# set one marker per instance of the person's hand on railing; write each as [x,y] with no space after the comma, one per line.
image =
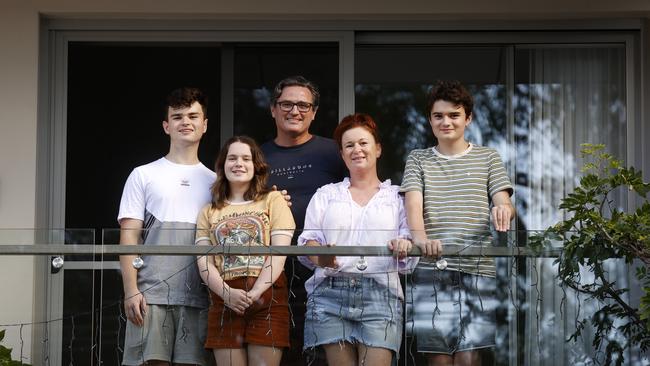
[325,261]
[400,247]
[429,247]
[135,307]
[502,211]
[501,217]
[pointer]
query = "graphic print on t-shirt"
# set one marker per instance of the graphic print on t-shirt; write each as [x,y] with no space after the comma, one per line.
[242,229]
[290,172]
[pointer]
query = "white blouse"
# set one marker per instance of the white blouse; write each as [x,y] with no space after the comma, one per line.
[333,217]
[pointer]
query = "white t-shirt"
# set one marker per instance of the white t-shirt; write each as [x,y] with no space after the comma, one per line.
[167,197]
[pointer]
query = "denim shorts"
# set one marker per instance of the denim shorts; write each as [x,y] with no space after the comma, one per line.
[450,311]
[354,310]
[171,333]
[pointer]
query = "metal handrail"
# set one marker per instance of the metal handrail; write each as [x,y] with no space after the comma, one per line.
[370,251]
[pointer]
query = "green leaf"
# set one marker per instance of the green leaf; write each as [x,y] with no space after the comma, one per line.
[595,231]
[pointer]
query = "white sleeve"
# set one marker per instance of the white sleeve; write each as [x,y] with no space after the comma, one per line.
[313,229]
[406,265]
[403,224]
[132,204]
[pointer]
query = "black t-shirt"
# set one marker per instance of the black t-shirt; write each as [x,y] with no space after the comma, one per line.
[302,169]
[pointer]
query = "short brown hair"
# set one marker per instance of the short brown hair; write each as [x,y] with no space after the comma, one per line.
[355,120]
[296,81]
[185,97]
[221,188]
[452,92]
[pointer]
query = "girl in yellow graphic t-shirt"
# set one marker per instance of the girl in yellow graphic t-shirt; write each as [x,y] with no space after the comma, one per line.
[248,321]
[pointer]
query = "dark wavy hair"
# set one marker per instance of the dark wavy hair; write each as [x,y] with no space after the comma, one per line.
[450,91]
[221,188]
[355,120]
[185,97]
[296,81]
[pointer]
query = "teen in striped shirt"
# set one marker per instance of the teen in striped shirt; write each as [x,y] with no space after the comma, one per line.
[451,190]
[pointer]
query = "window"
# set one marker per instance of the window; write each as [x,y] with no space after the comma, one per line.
[536,100]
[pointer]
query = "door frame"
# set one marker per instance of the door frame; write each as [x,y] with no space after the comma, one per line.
[56,34]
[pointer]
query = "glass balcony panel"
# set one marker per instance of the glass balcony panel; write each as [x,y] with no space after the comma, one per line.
[531,321]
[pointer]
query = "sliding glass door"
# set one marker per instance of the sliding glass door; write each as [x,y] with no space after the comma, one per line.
[537,98]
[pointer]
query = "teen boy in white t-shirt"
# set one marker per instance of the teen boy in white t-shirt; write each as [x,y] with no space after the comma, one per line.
[164,300]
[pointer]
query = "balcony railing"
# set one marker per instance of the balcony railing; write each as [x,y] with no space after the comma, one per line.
[84,320]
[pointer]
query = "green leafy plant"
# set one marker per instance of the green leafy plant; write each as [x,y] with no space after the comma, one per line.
[5,354]
[594,232]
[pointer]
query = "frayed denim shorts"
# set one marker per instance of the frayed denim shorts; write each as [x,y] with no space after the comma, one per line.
[450,311]
[354,310]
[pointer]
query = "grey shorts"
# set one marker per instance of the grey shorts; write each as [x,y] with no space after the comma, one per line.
[450,311]
[174,334]
[354,310]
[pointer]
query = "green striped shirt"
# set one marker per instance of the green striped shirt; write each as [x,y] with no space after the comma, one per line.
[456,191]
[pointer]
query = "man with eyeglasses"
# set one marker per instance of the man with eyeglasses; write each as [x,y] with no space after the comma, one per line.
[300,163]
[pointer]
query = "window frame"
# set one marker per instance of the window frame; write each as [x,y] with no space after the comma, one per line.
[57,33]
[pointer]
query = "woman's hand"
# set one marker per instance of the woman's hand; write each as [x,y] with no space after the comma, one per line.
[400,247]
[325,261]
[236,299]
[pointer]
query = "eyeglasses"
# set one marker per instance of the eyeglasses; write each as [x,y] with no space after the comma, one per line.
[287,106]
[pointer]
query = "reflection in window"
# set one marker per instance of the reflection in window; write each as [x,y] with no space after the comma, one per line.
[391,84]
[564,96]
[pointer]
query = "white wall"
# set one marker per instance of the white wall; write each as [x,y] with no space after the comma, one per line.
[18,87]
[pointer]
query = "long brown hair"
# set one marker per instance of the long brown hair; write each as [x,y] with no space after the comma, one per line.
[257,190]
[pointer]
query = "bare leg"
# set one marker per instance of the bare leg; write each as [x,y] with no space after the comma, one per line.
[371,356]
[264,355]
[467,358]
[439,359]
[230,356]
[156,363]
[341,354]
